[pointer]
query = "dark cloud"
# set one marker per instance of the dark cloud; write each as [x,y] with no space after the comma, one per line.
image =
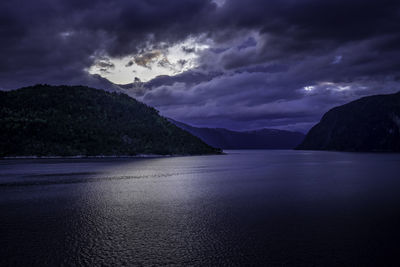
[105,65]
[40,39]
[164,63]
[188,49]
[145,59]
[276,63]
[130,63]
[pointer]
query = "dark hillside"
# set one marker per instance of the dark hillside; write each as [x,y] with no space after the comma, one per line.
[75,120]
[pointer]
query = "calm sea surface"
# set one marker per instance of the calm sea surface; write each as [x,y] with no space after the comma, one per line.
[245,208]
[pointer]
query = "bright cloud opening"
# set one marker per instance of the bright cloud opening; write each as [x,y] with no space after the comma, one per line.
[150,64]
[309,88]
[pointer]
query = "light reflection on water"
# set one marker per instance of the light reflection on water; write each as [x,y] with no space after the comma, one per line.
[257,207]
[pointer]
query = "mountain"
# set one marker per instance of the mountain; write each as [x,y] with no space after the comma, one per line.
[369,124]
[48,120]
[258,139]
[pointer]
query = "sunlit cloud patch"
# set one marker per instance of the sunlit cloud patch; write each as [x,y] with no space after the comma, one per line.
[149,64]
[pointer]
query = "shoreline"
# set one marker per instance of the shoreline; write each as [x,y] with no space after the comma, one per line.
[105,156]
[88,157]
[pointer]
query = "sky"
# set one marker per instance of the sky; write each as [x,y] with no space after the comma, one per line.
[212,63]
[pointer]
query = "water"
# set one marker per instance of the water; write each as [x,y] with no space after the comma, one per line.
[248,207]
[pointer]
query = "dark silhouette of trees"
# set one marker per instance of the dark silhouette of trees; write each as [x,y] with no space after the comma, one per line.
[49,120]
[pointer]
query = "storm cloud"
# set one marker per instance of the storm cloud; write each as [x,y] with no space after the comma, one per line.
[276,63]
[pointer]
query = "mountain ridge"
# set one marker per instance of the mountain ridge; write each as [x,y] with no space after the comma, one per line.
[255,139]
[370,123]
[44,120]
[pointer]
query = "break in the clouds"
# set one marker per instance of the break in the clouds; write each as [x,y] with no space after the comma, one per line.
[146,65]
[226,63]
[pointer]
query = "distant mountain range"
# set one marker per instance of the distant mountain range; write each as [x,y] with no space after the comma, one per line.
[45,120]
[368,124]
[257,139]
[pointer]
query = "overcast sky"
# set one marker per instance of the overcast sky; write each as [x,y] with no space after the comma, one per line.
[234,63]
